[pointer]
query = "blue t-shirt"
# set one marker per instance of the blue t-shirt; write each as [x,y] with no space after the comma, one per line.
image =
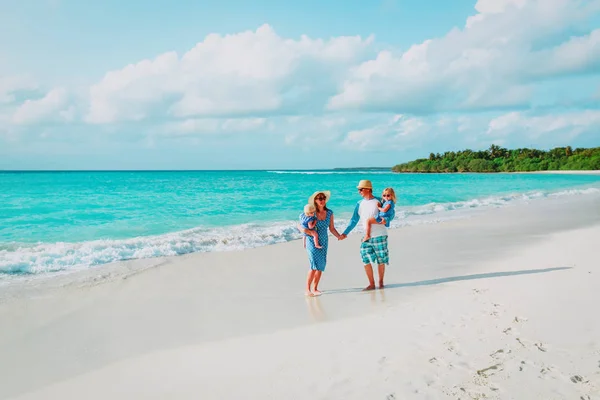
[305,219]
[389,214]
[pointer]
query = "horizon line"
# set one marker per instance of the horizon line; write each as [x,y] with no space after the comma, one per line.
[196,170]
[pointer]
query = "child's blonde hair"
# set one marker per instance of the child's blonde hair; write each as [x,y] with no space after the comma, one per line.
[309,208]
[391,192]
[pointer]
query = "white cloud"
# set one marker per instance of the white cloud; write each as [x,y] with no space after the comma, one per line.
[446,132]
[216,125]
[309,131]
[497,6]
[570,124]
[579,54]
[9,85]
[52,106]
[397,131]
[492,63]
[249,72]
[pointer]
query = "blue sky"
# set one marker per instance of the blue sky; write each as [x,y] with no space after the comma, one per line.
[218,85]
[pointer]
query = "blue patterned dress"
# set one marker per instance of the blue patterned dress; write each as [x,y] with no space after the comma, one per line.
[318,257]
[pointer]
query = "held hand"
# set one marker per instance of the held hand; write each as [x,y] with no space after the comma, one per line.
[342,237]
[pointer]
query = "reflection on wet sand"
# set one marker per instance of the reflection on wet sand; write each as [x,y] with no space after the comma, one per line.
[315,308]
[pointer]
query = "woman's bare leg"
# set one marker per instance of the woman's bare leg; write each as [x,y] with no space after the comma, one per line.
[309,280]
[316,290]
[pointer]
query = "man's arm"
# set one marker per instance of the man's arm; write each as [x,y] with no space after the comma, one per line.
[353,221]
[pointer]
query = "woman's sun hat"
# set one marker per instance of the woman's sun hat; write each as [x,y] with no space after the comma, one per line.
[326,193]
[365,184]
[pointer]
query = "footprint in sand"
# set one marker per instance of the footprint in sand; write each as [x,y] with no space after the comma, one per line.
[500,353]
[576,379]
[491,370]
[540,347]
[451,346]
[520,319]
[496,310]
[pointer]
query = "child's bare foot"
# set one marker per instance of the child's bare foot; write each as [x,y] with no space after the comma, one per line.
[308,293]
[367,237]
[318,246]
[370,287]
[381,285]
[316,292]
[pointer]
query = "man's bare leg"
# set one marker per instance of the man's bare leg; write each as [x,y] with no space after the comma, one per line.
[309,280]
[381,270]
[316,290]
[369,271]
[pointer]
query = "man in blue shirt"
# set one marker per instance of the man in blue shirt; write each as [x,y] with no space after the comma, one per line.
[375,249]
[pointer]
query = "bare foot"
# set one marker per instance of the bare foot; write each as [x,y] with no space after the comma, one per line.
[367,237]
[318,246]
[308,293]
[316,292]
[370,287]
[381,285]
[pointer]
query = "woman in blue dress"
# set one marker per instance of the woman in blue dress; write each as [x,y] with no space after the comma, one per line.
[318,256]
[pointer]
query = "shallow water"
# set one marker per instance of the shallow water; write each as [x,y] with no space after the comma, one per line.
[52,221]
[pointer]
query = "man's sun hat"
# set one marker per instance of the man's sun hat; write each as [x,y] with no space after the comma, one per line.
[365,184]
[327,193]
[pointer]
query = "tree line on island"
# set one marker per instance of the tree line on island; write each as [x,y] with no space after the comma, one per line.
[499,159]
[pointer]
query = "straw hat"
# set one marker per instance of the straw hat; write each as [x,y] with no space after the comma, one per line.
[327,193]
[365,184]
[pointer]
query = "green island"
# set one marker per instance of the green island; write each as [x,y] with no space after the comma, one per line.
[499,159]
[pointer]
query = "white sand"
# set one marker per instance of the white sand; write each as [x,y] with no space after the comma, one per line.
[501,305]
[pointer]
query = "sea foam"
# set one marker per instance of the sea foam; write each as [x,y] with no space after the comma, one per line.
[32,259]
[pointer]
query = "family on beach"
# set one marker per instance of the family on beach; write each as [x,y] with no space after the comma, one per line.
[375,214]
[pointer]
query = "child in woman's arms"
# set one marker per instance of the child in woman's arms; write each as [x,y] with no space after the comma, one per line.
[308,220]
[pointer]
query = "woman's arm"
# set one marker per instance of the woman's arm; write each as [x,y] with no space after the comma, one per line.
[303,229]
[332,228]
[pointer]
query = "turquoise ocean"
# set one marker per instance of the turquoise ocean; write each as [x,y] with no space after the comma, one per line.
[61,221]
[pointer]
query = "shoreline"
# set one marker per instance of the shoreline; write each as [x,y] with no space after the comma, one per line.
[120,323]
[68,258]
